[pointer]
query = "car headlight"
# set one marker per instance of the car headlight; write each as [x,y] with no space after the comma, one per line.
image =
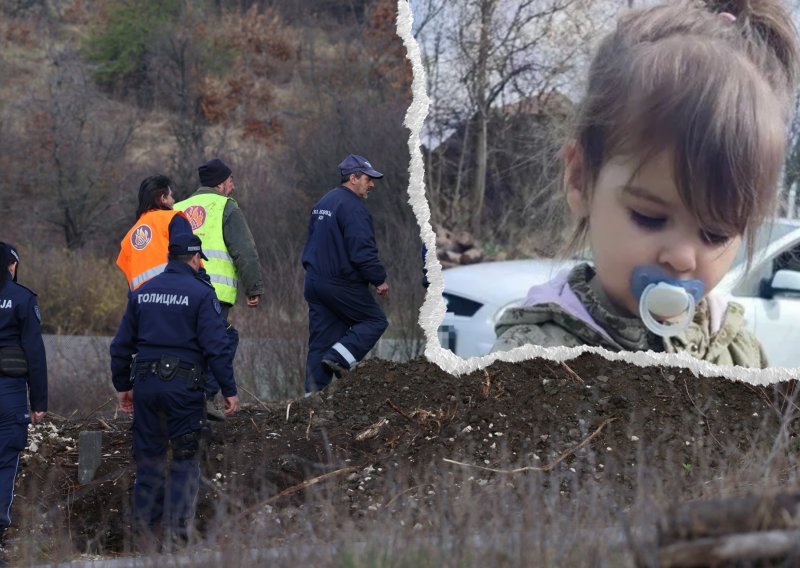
[499,313]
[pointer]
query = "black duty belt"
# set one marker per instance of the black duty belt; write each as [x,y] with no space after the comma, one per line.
[13,362]
[168,368]
[155,368]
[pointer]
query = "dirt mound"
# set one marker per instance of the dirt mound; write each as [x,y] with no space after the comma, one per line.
[387,428]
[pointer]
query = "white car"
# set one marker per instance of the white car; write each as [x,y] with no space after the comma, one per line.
[477,295]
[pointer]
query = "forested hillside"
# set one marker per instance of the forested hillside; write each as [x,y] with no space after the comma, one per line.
[98,94]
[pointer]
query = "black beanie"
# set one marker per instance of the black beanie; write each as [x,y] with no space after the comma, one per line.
[213,173]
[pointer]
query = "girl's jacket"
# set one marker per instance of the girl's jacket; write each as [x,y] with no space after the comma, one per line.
[568,312]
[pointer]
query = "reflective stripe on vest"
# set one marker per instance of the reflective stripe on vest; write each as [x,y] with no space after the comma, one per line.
[147,275]
[143,251]
[218,254]
[217,279]
[204,212]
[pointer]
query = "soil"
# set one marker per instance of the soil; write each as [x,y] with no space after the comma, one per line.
[587,421]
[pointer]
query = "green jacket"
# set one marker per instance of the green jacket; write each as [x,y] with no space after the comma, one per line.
[717,334]
[241,246]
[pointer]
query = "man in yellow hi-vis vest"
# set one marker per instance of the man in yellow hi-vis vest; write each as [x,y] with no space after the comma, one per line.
[228,243]
[227,240]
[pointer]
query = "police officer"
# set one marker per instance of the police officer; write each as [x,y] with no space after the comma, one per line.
[174,327]
[23,376]
[341,261]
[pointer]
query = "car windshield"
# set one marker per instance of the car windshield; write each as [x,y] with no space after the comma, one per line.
[768,233]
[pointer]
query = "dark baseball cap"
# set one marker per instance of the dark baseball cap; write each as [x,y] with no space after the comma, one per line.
[12,252]
[9,252]
[353,164]
[185,244]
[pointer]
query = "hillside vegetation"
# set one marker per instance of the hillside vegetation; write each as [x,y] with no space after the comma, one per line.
[99,94]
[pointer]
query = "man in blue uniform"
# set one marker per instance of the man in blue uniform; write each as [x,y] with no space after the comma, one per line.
[23,376]
[174,327]
[341,261]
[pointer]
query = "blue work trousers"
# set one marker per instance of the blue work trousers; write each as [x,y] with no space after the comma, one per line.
[344,323]
[14,420]
[166,413]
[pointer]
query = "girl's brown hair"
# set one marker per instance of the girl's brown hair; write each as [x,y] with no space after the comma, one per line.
[716,93]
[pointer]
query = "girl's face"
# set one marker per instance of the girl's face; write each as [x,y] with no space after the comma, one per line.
[636,217]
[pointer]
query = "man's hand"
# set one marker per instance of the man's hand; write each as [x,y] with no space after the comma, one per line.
[252,301]
[383,289]
[38,416]
[231,405]
[125,401]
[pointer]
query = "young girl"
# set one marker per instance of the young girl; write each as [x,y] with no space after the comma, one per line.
[673,162]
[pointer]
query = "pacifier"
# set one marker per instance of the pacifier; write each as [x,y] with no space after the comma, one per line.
[664,298]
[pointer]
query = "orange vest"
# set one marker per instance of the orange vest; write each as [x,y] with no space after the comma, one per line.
[143,251]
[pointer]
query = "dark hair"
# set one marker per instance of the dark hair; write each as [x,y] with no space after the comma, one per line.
[185,258]
[716,92]
[346,178]
[150,191]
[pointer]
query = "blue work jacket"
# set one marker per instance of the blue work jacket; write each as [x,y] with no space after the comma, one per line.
[20,327]
[341,241]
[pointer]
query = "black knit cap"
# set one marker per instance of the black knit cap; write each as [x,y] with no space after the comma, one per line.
[213,173]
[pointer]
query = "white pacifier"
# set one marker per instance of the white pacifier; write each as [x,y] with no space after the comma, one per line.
[663,299]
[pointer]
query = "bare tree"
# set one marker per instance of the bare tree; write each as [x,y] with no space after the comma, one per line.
[489,63]
[78,150]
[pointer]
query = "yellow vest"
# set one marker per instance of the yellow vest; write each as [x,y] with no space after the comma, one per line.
[204,212]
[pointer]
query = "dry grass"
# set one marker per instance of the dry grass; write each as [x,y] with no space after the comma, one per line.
[78,293]
[451,516]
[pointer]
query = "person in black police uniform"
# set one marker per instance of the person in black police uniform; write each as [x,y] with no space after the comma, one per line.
[23,376]
[173,324]
[341,261]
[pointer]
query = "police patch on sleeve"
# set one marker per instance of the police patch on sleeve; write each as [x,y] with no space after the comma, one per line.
[217,307]
[37,312]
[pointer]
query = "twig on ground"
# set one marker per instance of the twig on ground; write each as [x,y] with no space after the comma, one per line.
[288,406]
[299,487]
[396,497]
[254,397]
[104,424]
[308,429]
[487,383]
[94,410]
[547,467]
[703,414]
[394,407]
[571,373]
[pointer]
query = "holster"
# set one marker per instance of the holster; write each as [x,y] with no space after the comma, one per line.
[169,367]
[194,376]
[13,362]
